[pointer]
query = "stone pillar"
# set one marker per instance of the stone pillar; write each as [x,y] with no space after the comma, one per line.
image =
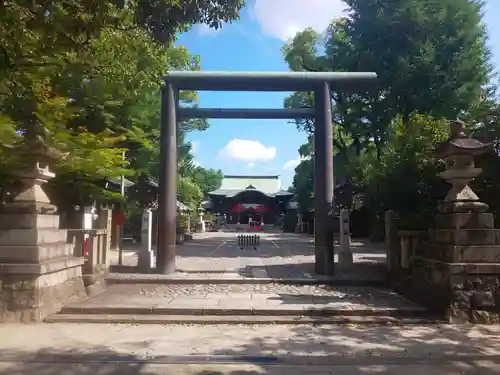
[38,270]
[106,222]
[406,245]
[300,224]
[155,231]
[392,241]
[323,181]
[345,253]
[87,221]
[188,223]
[167,201]
[145,259]
[201,223]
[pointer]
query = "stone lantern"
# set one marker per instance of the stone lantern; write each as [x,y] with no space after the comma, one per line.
[33,160]
[344,194]
[455,270]
[36,262]
[458,152]
[145,192]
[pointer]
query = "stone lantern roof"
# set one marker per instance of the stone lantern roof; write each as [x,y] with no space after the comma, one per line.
[460,143]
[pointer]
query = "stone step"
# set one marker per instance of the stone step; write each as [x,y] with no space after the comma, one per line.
[249,320]
[240,309]
[236,278]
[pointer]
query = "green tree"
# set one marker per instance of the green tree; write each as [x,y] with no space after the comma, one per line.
[431,59]
[87,75]
[430,56]
[208,179]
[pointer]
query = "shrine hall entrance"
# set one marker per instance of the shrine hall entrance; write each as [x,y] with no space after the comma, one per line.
[246,201]
[321,84]
[248,217]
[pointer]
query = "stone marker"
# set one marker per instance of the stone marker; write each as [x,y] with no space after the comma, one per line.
[146,259]
[345,253]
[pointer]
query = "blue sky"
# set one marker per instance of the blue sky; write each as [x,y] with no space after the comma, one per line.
[254,44]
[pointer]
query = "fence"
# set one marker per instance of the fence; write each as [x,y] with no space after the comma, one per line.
[401,245]
[93,245]
[248,240]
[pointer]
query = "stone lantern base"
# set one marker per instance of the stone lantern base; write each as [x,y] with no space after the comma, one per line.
[457,271]
[39,271]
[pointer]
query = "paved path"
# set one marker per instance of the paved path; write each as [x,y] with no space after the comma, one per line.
[84,349]
[281,255]
[215,277]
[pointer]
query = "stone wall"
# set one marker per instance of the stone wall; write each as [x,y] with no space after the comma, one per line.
[455,269]
[31,298]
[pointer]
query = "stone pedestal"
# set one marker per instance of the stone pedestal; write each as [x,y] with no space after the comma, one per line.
[38,271]
[460,262]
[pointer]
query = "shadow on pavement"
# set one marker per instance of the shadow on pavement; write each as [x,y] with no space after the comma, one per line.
[316,350]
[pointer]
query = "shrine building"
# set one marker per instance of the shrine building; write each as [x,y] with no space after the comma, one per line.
[244,199]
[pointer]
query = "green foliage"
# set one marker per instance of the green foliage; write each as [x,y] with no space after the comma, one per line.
[431,56]
[432,62]
[86,75]
[164,18]
[208,179]
[405,177]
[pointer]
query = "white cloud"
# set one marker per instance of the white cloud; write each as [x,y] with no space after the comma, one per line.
[292,164]
[248,151]
[282,19]
[251,165]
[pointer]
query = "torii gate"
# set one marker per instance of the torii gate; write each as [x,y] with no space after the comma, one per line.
[321,83]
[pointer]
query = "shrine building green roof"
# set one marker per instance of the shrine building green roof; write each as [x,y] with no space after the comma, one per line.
[233,185]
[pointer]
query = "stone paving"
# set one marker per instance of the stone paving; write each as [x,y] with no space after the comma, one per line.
[281,255]
[215,299]
[71,349]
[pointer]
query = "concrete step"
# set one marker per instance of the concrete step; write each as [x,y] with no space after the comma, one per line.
[228,319]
